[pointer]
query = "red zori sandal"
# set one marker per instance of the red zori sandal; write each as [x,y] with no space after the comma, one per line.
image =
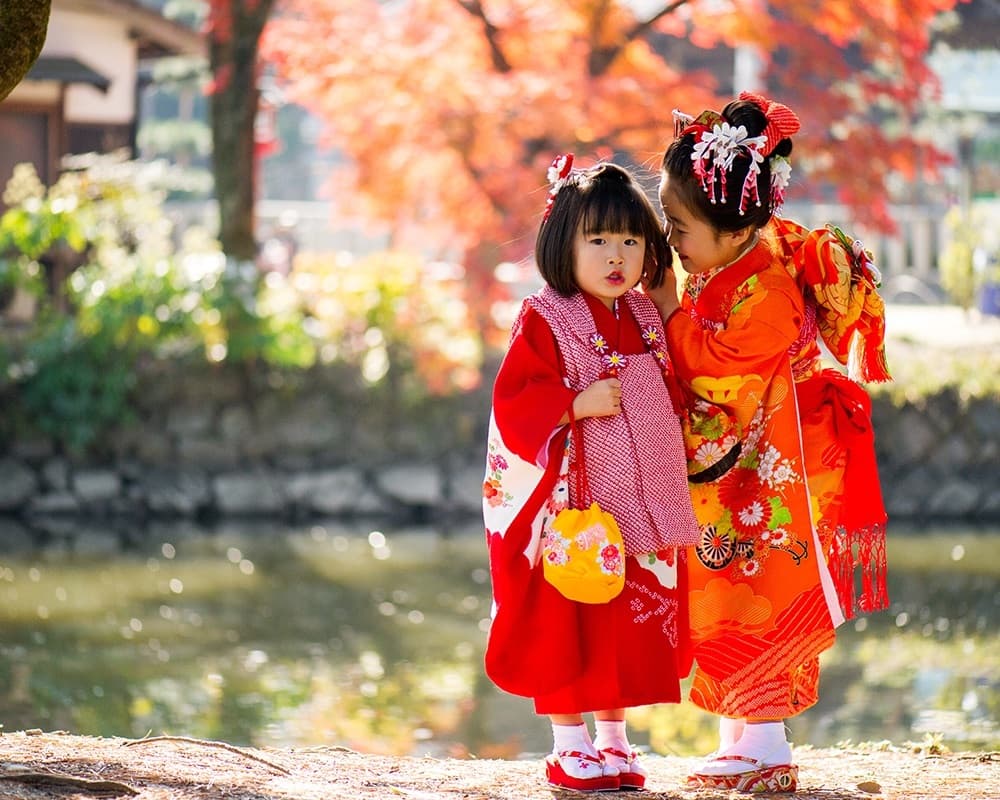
[631,775]
[757,778]
[584,763]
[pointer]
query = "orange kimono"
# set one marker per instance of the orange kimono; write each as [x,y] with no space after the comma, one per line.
[763,602]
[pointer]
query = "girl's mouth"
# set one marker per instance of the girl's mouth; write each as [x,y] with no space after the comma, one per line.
[615,277]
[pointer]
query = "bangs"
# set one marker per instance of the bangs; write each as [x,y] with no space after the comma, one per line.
[616,211]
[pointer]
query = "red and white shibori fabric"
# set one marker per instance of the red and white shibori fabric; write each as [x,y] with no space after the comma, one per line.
[574,657]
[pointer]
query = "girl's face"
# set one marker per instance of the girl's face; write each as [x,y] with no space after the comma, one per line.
[606,265]
[698,245]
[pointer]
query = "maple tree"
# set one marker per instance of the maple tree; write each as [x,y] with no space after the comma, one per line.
[450,111]
[234,30]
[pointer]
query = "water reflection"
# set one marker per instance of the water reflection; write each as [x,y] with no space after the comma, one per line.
[371,639]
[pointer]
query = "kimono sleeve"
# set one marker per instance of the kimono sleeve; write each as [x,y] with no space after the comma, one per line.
[529,395]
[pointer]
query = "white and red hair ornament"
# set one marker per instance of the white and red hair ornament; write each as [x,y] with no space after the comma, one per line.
[558,175]
[718,143]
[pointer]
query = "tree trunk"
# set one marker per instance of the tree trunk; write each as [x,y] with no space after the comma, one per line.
[234,103]
[23,25]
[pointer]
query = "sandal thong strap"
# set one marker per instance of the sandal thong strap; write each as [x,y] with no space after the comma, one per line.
[614,751]
[754,762]
[578,754]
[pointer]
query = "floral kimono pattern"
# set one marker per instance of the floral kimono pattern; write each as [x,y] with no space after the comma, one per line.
[763,604]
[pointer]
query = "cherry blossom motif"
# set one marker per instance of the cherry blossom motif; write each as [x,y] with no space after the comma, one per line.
[555,548]
[591,536]
[492,493]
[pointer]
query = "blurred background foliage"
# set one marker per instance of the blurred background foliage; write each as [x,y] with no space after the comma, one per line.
[96,283]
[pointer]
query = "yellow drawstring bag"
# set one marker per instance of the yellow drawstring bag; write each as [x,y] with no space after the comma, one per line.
[583,555]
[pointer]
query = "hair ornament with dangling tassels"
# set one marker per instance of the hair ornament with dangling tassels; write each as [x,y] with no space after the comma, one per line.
[717,145]
[559,174]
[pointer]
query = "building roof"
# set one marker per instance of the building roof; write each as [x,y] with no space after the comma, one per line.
[155,35]
[66,70]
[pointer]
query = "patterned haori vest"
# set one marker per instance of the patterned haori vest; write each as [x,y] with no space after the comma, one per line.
[635,460]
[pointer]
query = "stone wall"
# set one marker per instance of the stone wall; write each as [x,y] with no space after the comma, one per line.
[209,446]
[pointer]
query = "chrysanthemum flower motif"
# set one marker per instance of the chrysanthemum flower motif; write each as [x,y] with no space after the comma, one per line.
[775,538]
[752,518]
[708,454]
[611,560]
[614,360]
[750,568]
[599,343]
[651,335]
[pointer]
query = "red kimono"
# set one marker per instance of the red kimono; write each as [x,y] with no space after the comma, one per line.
[573,657]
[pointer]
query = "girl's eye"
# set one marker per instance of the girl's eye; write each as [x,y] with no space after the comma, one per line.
[597,240]
[631,242]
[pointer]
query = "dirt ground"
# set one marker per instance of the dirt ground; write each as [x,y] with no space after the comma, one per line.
[36,766]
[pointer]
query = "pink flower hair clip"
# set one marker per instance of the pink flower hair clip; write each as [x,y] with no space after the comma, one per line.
[558,175]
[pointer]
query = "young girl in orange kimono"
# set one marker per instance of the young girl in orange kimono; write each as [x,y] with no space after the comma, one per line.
[780,450]
[586,353]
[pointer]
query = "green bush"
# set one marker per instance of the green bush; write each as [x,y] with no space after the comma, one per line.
[400,325]
[131,294]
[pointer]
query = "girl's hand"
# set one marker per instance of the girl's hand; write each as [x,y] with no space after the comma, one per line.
[602,398]
[664,296]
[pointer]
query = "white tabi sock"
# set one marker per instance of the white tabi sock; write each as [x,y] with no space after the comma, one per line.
[763,742]
[611,733]
[730,731]
[569,738]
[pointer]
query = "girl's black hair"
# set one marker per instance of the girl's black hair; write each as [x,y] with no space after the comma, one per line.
[603,198]
[726,216]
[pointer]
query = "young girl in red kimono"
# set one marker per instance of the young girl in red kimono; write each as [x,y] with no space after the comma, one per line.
[781,456]
[590,346]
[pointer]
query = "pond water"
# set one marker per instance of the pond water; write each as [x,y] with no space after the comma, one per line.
[328,634]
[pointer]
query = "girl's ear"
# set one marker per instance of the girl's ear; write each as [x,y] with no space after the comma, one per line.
[742,236]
